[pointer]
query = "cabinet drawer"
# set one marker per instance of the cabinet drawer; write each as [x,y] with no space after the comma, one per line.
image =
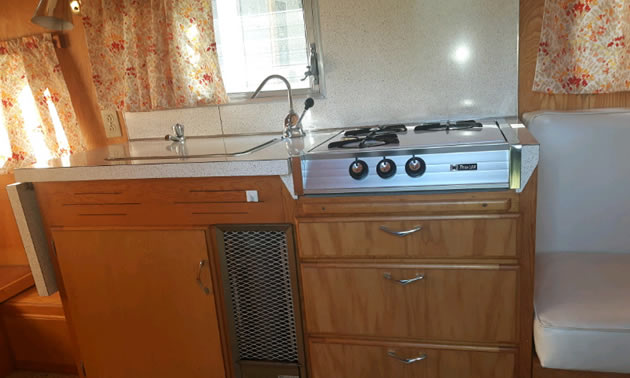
[373,360]
[419,238]
[468,303]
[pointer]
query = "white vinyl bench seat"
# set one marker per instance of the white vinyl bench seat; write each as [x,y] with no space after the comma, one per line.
[582,303]
[582,280]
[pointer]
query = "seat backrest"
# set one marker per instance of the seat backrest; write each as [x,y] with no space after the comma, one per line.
[584,180]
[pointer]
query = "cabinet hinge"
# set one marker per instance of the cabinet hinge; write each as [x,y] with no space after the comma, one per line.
[83,369]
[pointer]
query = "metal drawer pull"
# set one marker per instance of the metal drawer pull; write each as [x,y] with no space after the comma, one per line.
[401,233]
[201,285]
[407,361]
[418,277]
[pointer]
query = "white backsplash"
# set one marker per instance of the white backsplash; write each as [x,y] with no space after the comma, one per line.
[386,61]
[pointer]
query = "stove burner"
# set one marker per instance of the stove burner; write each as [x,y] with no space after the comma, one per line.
[386,129]
[368,141]
[459,125]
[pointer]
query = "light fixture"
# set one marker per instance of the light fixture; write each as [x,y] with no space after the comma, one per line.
[75,5]
[53,15]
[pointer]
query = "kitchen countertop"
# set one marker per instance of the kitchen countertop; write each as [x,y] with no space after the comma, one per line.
[272,160]
[160,161]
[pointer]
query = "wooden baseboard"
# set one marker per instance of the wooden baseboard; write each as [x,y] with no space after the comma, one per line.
[541,372]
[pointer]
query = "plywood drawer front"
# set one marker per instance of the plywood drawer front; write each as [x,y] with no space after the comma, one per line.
[476,304]
[433,238]
[163,201]
[351,360]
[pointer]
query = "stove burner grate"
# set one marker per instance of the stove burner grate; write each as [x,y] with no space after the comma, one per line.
[368,141]
[386,129]
[459,125]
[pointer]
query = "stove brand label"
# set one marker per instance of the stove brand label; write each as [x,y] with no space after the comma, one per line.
[464,167]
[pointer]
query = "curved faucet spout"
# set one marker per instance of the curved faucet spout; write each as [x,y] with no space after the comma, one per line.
[291,120]
[280,77]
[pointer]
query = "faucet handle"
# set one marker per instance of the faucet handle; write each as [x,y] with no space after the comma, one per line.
[308,103]
[178,129]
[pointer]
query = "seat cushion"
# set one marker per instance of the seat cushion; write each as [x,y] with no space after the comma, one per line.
[582,303]
[583,180]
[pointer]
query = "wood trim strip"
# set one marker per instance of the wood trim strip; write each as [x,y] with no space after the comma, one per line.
[103,204]
[405,207]
[97,193]
[385,218]
[379,265]
[296,170]
[483,260]
[409,344]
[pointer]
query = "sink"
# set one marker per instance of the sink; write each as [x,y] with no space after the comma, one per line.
[195,148]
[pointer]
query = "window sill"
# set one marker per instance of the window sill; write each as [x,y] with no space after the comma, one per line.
[272,96]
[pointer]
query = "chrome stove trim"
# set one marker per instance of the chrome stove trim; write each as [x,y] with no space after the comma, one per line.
[405,189]
[511,136]
[373,152]
[515,166]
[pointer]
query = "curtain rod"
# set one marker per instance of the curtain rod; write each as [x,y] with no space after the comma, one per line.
[58,39]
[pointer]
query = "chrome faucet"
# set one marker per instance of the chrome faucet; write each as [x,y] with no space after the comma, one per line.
[292,128]
[178,131]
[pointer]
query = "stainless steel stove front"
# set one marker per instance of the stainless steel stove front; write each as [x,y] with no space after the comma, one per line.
[446,169]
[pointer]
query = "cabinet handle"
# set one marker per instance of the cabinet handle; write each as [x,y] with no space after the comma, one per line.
[407,361]
[418,277]
[401,233]
[205,289]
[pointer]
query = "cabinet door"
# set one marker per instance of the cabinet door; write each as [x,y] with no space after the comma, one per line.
[136,305]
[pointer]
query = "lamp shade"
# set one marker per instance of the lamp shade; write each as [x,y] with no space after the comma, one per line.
[53,15]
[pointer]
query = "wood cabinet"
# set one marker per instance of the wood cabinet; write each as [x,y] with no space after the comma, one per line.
[414,286]
[141,301]
[138,271]
[383,280]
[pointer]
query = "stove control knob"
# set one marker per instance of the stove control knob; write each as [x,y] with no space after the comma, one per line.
[415,167]
[358,169]
[386,168]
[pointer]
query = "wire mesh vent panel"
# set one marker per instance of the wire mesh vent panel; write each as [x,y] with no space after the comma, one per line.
[262,298]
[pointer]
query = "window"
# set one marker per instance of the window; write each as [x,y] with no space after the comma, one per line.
[257,38]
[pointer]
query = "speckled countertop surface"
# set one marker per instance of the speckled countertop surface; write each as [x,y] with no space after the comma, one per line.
[164,159]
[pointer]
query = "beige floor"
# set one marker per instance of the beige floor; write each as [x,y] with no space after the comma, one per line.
[28,374]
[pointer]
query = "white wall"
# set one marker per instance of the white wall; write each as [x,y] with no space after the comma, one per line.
[386,61]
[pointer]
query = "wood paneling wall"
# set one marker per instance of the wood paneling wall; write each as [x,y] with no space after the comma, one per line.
[531,14]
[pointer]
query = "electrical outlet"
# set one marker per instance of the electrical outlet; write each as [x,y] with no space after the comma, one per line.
[110,122]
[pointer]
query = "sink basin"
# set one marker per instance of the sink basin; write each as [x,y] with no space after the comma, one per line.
[195,148]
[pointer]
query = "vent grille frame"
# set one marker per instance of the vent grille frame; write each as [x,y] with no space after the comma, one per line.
[259,276]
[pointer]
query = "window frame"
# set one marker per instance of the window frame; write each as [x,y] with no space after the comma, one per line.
[313,36]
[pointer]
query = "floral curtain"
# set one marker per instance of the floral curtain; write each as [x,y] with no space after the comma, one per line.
[584,47]
[37,120]
[153,54]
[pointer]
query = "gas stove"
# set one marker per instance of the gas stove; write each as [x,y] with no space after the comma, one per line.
[436,156]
